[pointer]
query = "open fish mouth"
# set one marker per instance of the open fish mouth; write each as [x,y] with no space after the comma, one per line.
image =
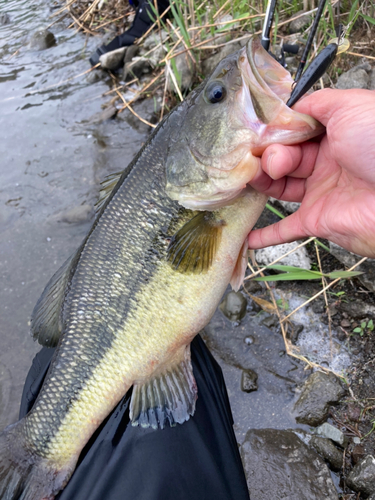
[269,74]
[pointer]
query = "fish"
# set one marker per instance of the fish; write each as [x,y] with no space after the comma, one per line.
[169,236]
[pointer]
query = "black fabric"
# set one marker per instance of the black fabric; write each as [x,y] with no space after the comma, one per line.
[142,21]
[198,460]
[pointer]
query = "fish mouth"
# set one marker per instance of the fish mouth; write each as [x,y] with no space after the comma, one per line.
[268,73]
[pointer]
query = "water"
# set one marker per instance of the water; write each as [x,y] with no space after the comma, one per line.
[51,162]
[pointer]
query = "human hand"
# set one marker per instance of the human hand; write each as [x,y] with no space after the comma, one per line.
[334,180]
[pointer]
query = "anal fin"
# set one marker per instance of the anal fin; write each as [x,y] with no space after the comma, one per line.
[168,397]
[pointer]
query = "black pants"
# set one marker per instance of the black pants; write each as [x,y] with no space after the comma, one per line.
[143,20]
[198,460]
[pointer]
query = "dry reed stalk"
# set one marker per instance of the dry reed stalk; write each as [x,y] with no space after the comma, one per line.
[323,290]
[225,22]
[127,105]
[111,21]
[360,55]
[279,258]
[324,284]
[172,75]
[142,90]
[221,9]
[62,9]
[181,40]
[84,16]
[151,27]
[290,348]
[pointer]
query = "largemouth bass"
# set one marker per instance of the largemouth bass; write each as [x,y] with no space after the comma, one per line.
[170,234]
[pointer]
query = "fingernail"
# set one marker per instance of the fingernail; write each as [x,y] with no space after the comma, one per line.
[269,163]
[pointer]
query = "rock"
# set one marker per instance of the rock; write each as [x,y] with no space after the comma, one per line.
[357,77]
[234,306]
[299,258]
[97,75]
[185,72]
[328,450]
[358,453]
[333,433]
[372,80]
[154,39]
[354,413]
[113,60]
[145,109]
[300,23]
[349,259]
[76,215]
[289,206]
[209,64]
[294,329]
[136,68]
[41,40]
[270,321]
[278,465]
[131,52]
[107,113]
[357,309]
[249,381]
[4,18]
[252,286]
[319,392]
[362,476]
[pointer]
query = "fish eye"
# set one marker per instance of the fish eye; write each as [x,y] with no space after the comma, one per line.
[215,92]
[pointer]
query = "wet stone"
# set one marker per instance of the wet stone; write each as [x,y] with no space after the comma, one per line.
[357,77]
[278,465]
[76,215]
[234,306]
[294,329]
[319,392]
[358,453]
[362,476]
[330,432]
[252,286]
[299,24]
[41,40]
[357,309]
[249,381]
[4,18]
[298,258]
[185,69]
[270,321]
[113,60]
[328,450]
[354,413]
[97,75]
[349,259]
[136,68]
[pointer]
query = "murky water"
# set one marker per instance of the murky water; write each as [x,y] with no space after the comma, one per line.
[51,162]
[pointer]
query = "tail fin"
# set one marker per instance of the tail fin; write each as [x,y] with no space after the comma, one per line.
[24,475]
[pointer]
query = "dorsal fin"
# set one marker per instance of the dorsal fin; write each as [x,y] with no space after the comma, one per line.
[193,248]
[169,396]
[46,322]
[106,189]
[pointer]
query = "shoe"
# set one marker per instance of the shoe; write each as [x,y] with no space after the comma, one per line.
[94,58]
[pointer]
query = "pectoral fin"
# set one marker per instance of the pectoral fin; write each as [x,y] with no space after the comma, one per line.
[240,269]
[169,396]
[193,248]
[46,322]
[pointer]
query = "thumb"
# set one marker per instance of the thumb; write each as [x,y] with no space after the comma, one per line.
[284,231]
